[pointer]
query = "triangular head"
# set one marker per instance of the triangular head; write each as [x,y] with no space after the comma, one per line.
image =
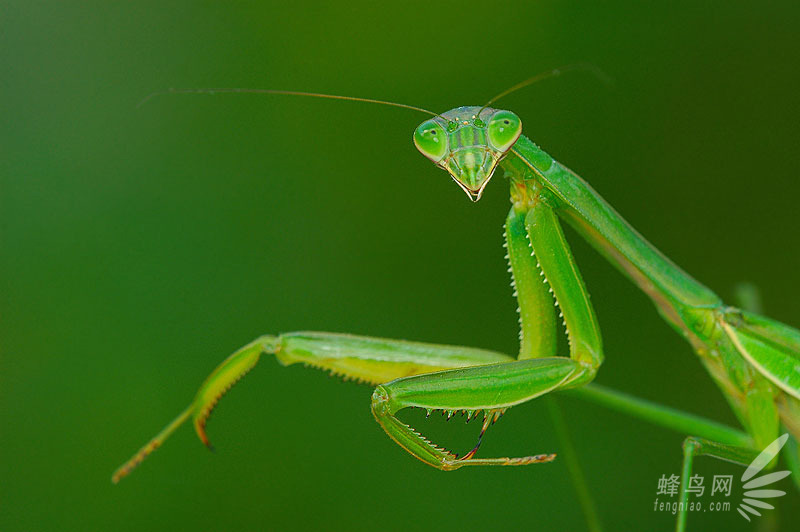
[468,142]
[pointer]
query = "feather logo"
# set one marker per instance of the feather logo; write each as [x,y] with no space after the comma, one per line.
[752,495]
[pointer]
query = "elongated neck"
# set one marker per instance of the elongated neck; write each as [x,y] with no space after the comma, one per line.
[672,289]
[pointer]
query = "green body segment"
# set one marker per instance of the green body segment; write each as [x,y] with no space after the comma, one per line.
[608,232]
[769,346]
[376,360]
[491,387]
[555,259]
[537,317]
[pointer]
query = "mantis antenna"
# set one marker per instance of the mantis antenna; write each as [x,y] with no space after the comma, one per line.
[599,74]
[286,93]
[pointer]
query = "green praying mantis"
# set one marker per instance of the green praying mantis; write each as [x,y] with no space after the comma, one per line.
[755,361]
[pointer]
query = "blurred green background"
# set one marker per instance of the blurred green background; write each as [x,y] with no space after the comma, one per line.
[140,246]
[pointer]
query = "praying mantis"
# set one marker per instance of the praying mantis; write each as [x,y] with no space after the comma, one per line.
[755,361]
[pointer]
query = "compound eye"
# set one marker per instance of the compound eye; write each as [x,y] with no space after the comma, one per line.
[431,140]
[503,130]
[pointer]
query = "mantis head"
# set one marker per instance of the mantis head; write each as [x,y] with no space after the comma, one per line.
[468,142]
